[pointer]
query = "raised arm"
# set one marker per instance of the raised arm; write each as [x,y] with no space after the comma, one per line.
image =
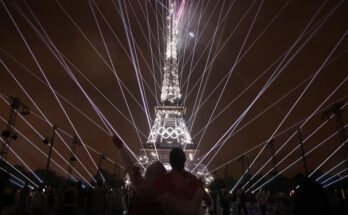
[132,170]
[123,152]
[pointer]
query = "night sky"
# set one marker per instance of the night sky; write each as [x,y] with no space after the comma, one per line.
[300,45]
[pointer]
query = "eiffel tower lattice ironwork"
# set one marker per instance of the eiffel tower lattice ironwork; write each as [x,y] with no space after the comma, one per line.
[169,128]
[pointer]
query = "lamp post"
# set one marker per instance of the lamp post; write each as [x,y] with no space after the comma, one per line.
[117,172]
[225,171]
[47,141]
[100,160]
[336,111]
[274,158]
[100,163]
[72,158]
[302,152]
[245,160]
[248,165]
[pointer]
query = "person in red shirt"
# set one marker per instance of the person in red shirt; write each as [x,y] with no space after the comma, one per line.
[186,189]
[175,193]
[177,182]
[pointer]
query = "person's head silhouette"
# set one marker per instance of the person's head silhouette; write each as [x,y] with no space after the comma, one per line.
[177,158]
[155,170]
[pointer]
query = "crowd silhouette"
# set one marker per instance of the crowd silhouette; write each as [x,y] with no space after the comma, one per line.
[162,192]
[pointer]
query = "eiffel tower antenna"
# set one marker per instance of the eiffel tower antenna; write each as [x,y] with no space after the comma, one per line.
[170,93]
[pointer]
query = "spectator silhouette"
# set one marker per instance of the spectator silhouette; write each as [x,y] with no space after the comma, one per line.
[37,202]
[261,198]
[225,202]
[100,199]
[241,202]
[143,204]
[182,185]
[177,192]
[116,202]
[89,201]
[22,200]
[69,199]
[4,179]
[310,197]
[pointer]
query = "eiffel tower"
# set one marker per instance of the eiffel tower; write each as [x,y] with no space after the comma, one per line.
[169,128]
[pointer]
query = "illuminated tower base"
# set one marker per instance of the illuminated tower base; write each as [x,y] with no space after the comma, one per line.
[168,131]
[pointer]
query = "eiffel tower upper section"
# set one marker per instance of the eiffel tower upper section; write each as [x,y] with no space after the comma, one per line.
[170,93]
[169,128]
